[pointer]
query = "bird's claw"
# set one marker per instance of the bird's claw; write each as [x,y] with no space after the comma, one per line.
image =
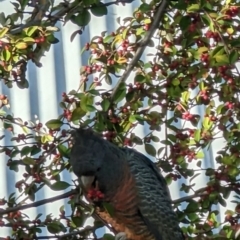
[121,236]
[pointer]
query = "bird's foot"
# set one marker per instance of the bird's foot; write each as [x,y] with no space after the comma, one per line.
[121,236]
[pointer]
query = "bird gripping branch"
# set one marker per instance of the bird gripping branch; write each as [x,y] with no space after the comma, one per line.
[130,183]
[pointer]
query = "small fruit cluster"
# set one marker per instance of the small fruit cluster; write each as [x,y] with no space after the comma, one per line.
[95,195]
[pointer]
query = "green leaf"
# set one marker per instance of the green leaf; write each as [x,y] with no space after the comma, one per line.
[185,22]
[193,216]
[207,6]
[206,20]
[145,7]
[99,10]
[38,230]
[150,149]
[23,84]
[233,57]
[132,119]
[181,5]
[108,236]
[193,8]
[140,78]
[29,161]
[90,108]
[94,92]
[171,137]
[6,55]
[197,135]
[109,208]
[51,39]
[235,43]
[29,39]
[108,79]
[222,201]
[31,30]
[185,96]
[78,221]
[207,123]
[218,50]
[30,191]
[140,31]
[175,82]
[63,150]
[202,50]
[54,124]
[130,96]
[3,31]
[136,139]
[226,191]
[87,103]
[46,138]
[77,114]
[52,29]
[105,104]
[55,227]
[192,206]
[60,185]
[14,167]
[35,150]
[223,59]
[120,94]
[21,45]
[108,39]
[2,18]
[155,138]
[147,65]
[82,19]
[125,33]
[200,154]
[23,3]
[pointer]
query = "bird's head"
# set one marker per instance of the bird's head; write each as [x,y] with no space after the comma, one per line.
[87,156]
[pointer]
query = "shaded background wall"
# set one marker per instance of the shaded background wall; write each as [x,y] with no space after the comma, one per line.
[60,73]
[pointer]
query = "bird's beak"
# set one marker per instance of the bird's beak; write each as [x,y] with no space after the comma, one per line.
[87,182]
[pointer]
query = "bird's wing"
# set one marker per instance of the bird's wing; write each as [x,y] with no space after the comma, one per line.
[154,198]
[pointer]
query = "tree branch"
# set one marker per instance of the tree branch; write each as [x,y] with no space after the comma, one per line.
[52,19]
[53,199]
[65,8]
[187,198]
[200,192]
[143,44]
[68,234]
[38,203]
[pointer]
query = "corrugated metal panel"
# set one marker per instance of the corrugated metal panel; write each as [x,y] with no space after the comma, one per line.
[60,73]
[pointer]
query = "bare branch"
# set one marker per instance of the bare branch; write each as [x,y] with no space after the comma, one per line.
[156,20]
[199,193]
[38,203]
[68,234]
[53,199]
[187,198]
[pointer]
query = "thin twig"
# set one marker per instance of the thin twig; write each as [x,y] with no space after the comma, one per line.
[18,145]
[155,24]
[187,198]
[68,234]
[198,193]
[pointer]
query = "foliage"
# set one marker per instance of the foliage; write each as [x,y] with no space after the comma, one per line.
[192,65]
